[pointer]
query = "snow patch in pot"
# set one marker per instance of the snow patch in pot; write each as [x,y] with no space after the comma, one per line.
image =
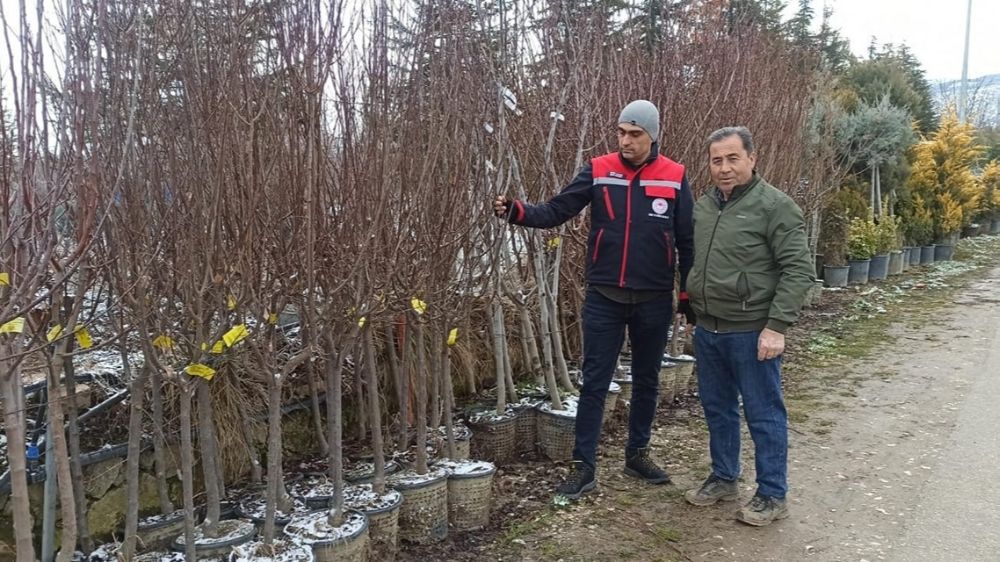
[627,377]
[614,387]
[570,404]
[462,432]
[154,521]
[228,531]
[312,486]
[364,470]
[683,358]
[363,498]
[468,467]
[254,508]
[168,557]
[491,416]
[279,551]
[315,527]
[410,479]
[104,553]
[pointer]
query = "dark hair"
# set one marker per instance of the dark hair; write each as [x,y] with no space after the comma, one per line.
[727,132]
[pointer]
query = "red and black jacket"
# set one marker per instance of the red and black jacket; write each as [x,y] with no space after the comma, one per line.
[640,220]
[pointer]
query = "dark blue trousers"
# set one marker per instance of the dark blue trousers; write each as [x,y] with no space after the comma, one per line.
[604,322]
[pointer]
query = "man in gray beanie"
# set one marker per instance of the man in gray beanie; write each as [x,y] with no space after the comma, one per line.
[640,229]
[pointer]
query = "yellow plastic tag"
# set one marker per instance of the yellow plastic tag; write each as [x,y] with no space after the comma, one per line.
[231,302]
[272,318]
[83,338]
[200,370]
[15,326]
[54,333]
[418,305]
[4,278]
[361,322]
[554,242]
[219,347]
[164,342]
[453,336]
[235,335]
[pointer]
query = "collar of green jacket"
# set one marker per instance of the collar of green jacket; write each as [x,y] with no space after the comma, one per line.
[737,192]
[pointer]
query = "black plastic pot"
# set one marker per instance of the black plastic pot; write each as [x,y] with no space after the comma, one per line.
[926,254]
[858,274]
[835,275]
[878,269]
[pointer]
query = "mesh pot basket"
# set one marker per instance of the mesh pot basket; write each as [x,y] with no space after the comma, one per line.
[495,440]
[462,437]
[526,429]
[469,496]
[626,385]
[668,376]
[684,373]
[611,401]
[556,434]
[158,531]
[423,517]
[383,530]
[238,531]
[352,546]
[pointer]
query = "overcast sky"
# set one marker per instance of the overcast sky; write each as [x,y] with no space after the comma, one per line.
[934,30]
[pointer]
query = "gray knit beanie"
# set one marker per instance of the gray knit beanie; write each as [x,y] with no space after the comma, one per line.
[642,113]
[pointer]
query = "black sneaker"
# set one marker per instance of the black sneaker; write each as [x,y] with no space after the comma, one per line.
[580,479]
[762,510]
[714,489]
[639,465]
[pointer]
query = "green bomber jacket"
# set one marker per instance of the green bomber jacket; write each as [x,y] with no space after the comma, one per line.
[752,266]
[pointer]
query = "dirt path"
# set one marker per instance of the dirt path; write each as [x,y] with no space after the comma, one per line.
[894,455]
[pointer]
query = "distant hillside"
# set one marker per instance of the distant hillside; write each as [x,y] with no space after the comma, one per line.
[984,98]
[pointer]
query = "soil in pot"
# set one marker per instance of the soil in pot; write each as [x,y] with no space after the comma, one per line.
[470,493]
[278,551]
[231,532]
[315,490]
[363,471]
[347,542]
[383,518]
[463,440]
[157,530]
[423,517]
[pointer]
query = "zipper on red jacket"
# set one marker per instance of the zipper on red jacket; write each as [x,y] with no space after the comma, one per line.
[607,204]
[597,243]
[628,225]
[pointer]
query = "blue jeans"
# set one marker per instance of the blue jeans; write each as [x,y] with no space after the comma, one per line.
[727,369]
[604,322]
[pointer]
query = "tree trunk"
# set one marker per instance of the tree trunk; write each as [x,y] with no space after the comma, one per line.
[508,369]
[209,460]
[76,467]
[402,386]
[187,476]
[324,444]
[378,447]
[359,400]
[470,375]
[496,333]
[134,450]
[528,337]
[13,411]
[420,376]
[557,345]
[256,472]
[449,402]
[273,453]
[437,343]
[159,445]
[335,419]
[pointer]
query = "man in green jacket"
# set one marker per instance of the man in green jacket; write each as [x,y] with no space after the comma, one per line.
[751,273]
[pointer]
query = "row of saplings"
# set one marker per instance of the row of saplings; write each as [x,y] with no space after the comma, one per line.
[362,510]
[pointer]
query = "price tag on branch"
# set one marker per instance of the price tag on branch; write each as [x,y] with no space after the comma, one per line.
[200,370]
[4,278]
[231,302]
[272,318]
[361,322]
[418,305]
[235,335]
[453,336]
[53,333]
[554,242]
[15,326]
[218,347]
[164,342]
[83,338]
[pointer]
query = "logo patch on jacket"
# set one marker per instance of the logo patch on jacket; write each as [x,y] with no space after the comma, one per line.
[616,175]
[660,206]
